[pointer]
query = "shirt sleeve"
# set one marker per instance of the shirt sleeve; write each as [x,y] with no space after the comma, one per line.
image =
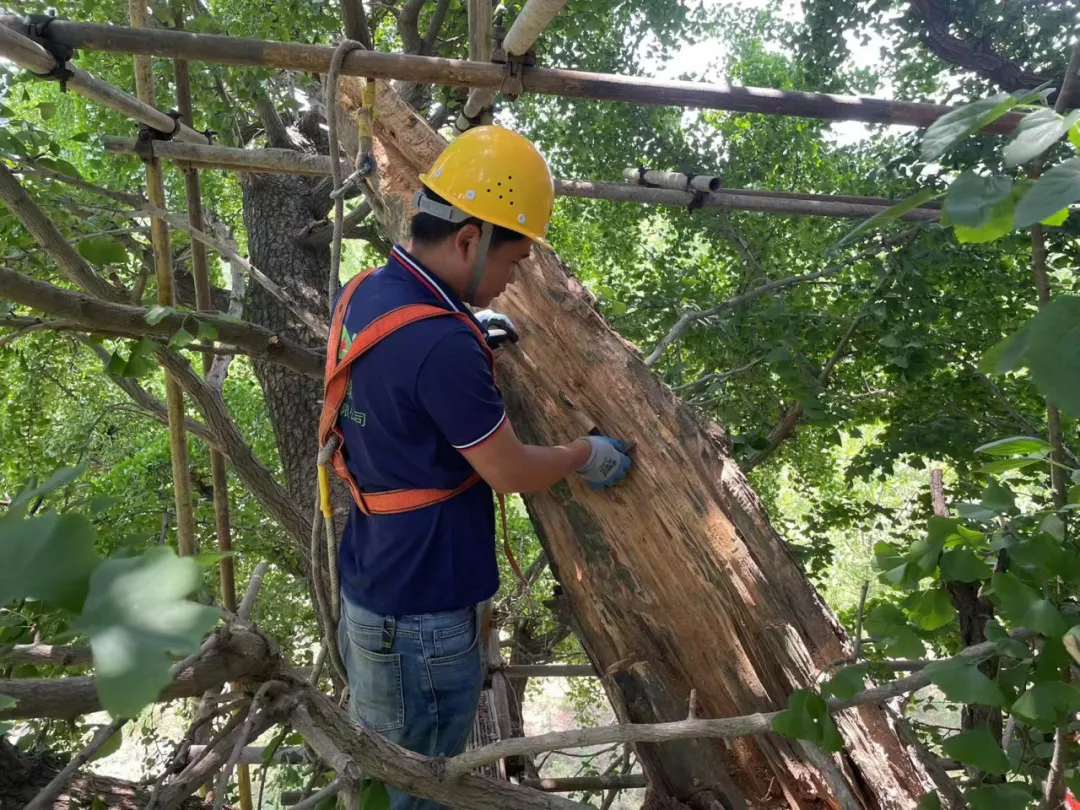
[456,388]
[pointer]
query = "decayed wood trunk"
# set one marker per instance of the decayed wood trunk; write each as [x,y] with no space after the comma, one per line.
[676,578]
[23,775]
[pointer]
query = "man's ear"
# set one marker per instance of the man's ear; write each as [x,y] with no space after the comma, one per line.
[467,243]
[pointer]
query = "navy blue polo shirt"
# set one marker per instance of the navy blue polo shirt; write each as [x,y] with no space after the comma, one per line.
[415,401]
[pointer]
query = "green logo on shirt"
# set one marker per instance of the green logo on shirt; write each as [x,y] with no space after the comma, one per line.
[349,412]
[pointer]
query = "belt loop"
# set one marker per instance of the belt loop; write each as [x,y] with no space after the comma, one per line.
[388,628]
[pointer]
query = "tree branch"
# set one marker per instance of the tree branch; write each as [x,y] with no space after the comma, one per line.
[689,318]
[244,656]
[45,655]
[355,21]
[438,16]
[937,20]
[42,229]
[786,426]
[44,800]
[122,319]
[726,728]
[153,406]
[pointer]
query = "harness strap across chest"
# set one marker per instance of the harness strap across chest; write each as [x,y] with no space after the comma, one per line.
[335,389]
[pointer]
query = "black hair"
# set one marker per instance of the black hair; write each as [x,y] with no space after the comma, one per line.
[426,229]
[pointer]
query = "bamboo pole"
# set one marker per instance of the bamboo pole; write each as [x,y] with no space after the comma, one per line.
[455,72]
[779,202]
[204,301]
[677,180]
[28,54]
[529,23]
[480,25]
[727,199]
[166,296]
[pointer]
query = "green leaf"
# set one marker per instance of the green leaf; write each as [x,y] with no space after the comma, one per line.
[1053,350]
[975,511]
[1053,526]
[1006,644]
[1057,188]
[181,338]
[1025,607]
[979,749]
[1056,220]
[998,497]
[111,745]
[136,616]
[929,801]
[891,213]
[887,624]
[961,681]
[1014,446]
[847,682]
[116,364]
[138,365]
[1036,132]
[999,797]
[7,701]
[1048,704]
[1000,224]
[1007,464]
[207,331]
[963,565]
[47,109]
[971,199]
[373,795]
[931,610]
[49,558]
[157,314]
[1074,136]
[1005,355]
[101,250]
[807,718]
[58,480]
[953,127]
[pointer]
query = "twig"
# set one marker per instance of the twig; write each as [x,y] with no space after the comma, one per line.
[45,799]
[937,494]
[246,606]
[724,728]
[689,318]
[242,739]
[859,620]
[691,714]
[318,796]
[1054,792]
[327,750]
[719,376]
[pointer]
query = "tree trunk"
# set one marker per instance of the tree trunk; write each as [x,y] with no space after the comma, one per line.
[276,208]
[676,578]
[22,776]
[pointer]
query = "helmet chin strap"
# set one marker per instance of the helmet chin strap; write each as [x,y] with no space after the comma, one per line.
[478,265]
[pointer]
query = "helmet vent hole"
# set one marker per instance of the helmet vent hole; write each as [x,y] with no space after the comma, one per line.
[498,184]
[511,202]
[500,196]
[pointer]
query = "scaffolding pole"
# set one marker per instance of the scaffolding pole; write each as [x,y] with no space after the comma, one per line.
[166,296]
[28,54]
[270,161]
[456,72]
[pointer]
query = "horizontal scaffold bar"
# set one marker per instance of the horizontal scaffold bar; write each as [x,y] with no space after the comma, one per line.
[457,72]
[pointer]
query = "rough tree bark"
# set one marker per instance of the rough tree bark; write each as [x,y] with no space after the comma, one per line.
[276,208]
[23,775]
[677,579]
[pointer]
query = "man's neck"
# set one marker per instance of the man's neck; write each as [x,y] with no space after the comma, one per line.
[430,258]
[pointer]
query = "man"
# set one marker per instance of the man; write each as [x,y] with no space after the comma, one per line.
[426,440]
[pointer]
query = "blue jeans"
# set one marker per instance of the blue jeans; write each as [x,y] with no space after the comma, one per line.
[416,680]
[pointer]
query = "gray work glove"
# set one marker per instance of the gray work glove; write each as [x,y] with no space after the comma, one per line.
[608,463]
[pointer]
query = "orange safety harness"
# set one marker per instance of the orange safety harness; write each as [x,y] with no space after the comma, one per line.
[335,387]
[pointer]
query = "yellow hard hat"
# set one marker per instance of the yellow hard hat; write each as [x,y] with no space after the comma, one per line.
[498,176]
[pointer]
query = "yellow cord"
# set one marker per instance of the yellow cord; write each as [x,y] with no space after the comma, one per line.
[324,492]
